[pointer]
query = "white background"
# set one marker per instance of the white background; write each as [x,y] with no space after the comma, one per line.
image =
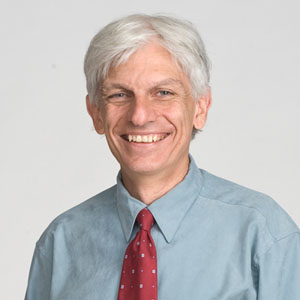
[51,159]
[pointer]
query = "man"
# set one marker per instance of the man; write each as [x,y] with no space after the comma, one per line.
[166,230]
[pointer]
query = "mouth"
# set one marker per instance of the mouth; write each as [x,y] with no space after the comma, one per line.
[148,138]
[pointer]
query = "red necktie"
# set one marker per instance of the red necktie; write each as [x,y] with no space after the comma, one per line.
[139,272]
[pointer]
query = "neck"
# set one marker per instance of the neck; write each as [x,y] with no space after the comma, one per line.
[149,187]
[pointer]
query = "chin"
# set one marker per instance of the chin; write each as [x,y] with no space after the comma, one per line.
[143,168]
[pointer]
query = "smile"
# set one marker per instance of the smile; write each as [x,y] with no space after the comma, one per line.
[149,138]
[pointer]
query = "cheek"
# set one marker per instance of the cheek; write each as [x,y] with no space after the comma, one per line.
[182,115]
[114,116]
[191,113]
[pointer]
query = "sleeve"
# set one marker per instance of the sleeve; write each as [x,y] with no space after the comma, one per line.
[279,270]
[40,275]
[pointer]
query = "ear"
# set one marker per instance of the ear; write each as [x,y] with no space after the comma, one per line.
[203,104]
[95,113]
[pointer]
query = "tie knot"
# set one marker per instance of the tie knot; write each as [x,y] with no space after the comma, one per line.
[145,219]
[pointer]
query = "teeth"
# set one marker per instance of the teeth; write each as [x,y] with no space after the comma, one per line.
[145,138]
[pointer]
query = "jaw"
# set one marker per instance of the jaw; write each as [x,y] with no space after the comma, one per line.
[142,153]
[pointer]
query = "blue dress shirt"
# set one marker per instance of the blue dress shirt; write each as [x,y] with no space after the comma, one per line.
[215,240]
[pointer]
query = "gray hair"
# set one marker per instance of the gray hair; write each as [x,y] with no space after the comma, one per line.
[114,44]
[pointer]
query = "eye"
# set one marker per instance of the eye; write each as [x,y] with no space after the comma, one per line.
[118,98]
[118,95]
[164,93]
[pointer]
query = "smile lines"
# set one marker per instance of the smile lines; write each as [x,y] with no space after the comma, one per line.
[145,138]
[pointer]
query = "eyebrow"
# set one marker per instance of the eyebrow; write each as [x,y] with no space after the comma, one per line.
[168,81]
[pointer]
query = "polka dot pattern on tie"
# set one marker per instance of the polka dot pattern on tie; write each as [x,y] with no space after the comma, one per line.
[139,272]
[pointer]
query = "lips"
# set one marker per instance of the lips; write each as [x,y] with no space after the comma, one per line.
[149,138]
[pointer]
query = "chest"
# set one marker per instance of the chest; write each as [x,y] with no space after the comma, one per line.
[190,267]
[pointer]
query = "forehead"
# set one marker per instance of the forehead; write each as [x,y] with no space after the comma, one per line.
[150,63]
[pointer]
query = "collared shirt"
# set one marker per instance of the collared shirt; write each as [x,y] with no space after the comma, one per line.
[215,240]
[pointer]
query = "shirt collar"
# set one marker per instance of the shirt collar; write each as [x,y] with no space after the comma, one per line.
[168,211]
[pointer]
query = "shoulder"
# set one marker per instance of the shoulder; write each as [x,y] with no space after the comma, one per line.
[80,218]
[278,223]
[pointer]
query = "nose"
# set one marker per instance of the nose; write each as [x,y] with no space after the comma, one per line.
[141,111]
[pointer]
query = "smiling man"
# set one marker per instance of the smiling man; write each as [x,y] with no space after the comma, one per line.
[166,230]
[147,112]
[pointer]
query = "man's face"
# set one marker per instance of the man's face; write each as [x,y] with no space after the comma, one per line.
[147,113]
